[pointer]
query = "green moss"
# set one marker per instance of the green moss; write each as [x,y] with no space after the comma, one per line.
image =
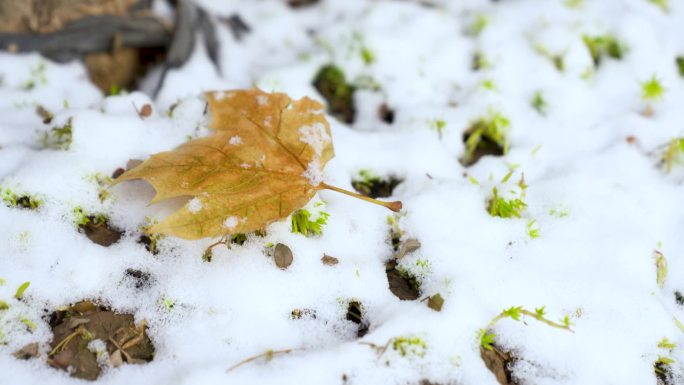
[679,62]
[37,77]
[21,289]
[505,208]
[539,103]
[604,46]
[81,218]
[673,153]
[652,89]
[479,24]
[58,138]
[19,200]
[664,5]
[409,346]
[439,126]
[303,222]
[331,84]
[486,136]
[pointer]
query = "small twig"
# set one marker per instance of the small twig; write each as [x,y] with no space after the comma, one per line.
[380,350]
[268,355]
[139,337]
[128,356]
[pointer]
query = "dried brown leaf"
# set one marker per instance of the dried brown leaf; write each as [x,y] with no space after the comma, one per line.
[263,162]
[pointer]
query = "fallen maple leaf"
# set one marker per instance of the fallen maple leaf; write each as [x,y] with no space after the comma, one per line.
[265,160]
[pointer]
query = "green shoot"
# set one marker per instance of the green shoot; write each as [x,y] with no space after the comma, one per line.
[489,85]
[21,289]
[486,339]
[574,3]
[604,46]
[667,344]
[505,208]
[533,229]
[664,360]
[367,56]
[679,61]
[439,126]
[365,181]
[23,200]
[661,268]
[664,5]
[103,182]
[557,59]
[480,61]
[486,336]
[652,90]
[484,133]
[4,305]
[304,223]
[673,153]
[539,104]
[29,324]
[81,218]
[114,90]
[409,346]
[479,24]
[58,138]
[37,77]
[559,212]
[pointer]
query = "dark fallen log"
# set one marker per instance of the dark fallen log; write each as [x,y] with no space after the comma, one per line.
[89,35]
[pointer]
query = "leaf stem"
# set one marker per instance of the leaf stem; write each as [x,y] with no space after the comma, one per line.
[394,206]
[268,355]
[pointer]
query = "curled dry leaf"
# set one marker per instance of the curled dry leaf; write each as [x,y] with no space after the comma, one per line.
[264,161]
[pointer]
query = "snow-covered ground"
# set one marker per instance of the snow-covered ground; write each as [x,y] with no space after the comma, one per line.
[602,211]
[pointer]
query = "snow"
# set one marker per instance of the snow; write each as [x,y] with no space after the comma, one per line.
[230,222]
[235,140]
[602,205]
[194,205]
[317,138]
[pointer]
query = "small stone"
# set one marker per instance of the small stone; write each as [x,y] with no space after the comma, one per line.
[282,256]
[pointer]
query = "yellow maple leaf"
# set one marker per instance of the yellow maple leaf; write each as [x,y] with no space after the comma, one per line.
[264,161]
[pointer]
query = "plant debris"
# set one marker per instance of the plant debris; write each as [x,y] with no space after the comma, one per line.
[401,283]
[328,260]
[435,302]
[499,362]
[27,352]
[76,329]
[98,230]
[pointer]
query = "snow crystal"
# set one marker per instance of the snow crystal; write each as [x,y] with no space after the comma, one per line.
[230,222]
[194,205]
[235,140]
[317,138]
[262,100]
[267,121]
[219,95]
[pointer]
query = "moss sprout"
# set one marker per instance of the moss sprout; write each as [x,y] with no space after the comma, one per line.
[604,46]
[486,136]
[59,137]
[308,224]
